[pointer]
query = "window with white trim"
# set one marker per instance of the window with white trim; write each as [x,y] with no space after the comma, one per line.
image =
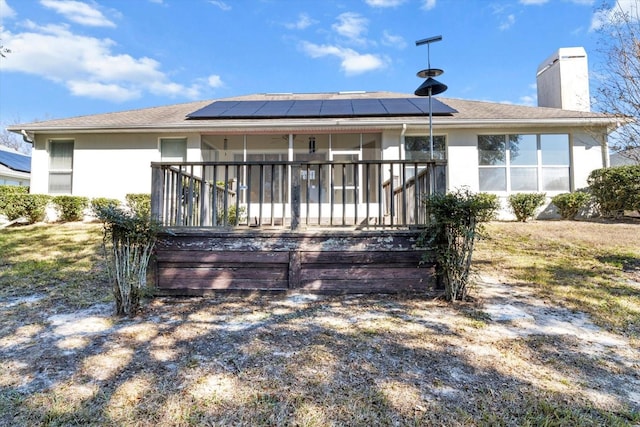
[173,149]
[419,148]
[60,166]
[529,162]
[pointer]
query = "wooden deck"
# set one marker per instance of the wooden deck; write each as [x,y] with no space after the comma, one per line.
[201,261]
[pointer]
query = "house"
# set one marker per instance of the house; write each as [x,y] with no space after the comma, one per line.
[631,157]
[350,159]
[15,167]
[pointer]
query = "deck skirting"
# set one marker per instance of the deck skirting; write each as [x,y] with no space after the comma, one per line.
[204,261]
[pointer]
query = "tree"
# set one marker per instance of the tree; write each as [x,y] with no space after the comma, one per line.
[13,141]
[619,89]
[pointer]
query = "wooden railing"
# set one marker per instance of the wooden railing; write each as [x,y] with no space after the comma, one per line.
[364,194]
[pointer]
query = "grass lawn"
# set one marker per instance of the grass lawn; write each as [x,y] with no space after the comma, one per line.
[550,337]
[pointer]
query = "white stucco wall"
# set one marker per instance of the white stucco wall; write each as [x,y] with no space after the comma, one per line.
[107,165]
[112,165]
[587,155]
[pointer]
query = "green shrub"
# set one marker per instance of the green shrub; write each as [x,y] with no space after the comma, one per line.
[490,205]
[524,205]
[139,204]
[99,203]
[454,225]
[233,217]
[30,206]
[616,189]
[70,208]
[128,242]
[9,190]
[569,204]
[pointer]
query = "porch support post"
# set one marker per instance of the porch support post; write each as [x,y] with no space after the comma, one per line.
[205,214]
[295,196]
[157,192]
[294,269]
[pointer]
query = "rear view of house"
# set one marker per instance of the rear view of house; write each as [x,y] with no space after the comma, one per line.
[360,160]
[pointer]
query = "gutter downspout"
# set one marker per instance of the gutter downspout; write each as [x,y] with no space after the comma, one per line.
[402,132]
[26,138]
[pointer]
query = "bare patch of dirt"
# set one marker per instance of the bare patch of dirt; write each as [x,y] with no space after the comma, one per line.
[316,360]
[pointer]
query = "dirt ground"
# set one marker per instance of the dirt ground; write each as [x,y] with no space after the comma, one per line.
[303,359]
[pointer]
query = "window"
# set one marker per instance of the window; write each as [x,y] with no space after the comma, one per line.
[419,148]
[173,149]
[529,162]
[60,167]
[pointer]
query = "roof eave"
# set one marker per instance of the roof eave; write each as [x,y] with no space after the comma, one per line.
[390,123]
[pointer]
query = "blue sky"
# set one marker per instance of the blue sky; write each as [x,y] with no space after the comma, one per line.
[77,57]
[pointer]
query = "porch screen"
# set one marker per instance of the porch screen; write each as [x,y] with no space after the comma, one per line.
[60,167]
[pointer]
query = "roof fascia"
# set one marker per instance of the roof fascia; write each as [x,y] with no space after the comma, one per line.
[256,125]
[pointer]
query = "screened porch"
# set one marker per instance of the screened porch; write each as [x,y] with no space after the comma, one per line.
[291,194]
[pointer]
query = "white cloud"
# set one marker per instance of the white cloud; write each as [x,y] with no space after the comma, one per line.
[428,4]
[507,23]
[87,66]
[384,3]
[219,3]
[528,100]
[389,39]
[214,81]
[303,22]
[608,16]
[78,12]
[110,92]
[352,62]
[351,26]
[6,11]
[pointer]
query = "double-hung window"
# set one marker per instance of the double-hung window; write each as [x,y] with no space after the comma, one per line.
[60,166]
[524,162]
[173,149]
[419,148]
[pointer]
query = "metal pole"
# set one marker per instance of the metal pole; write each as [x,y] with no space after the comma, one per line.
[430,128]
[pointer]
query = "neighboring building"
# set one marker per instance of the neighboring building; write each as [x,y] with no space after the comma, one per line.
[488,147]
[15,167]
[620,159]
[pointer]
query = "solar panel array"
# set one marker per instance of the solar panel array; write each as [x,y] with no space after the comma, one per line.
[17,162]
[381,107]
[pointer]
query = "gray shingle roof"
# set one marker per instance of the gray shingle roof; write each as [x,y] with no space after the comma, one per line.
[174,116]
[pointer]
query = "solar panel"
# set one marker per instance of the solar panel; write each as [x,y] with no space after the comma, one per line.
[400,106]
[308,108]
[370,107]
[274,109]
[337,107]
[244,109]
[438,107]
[214,109]
[17,162]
